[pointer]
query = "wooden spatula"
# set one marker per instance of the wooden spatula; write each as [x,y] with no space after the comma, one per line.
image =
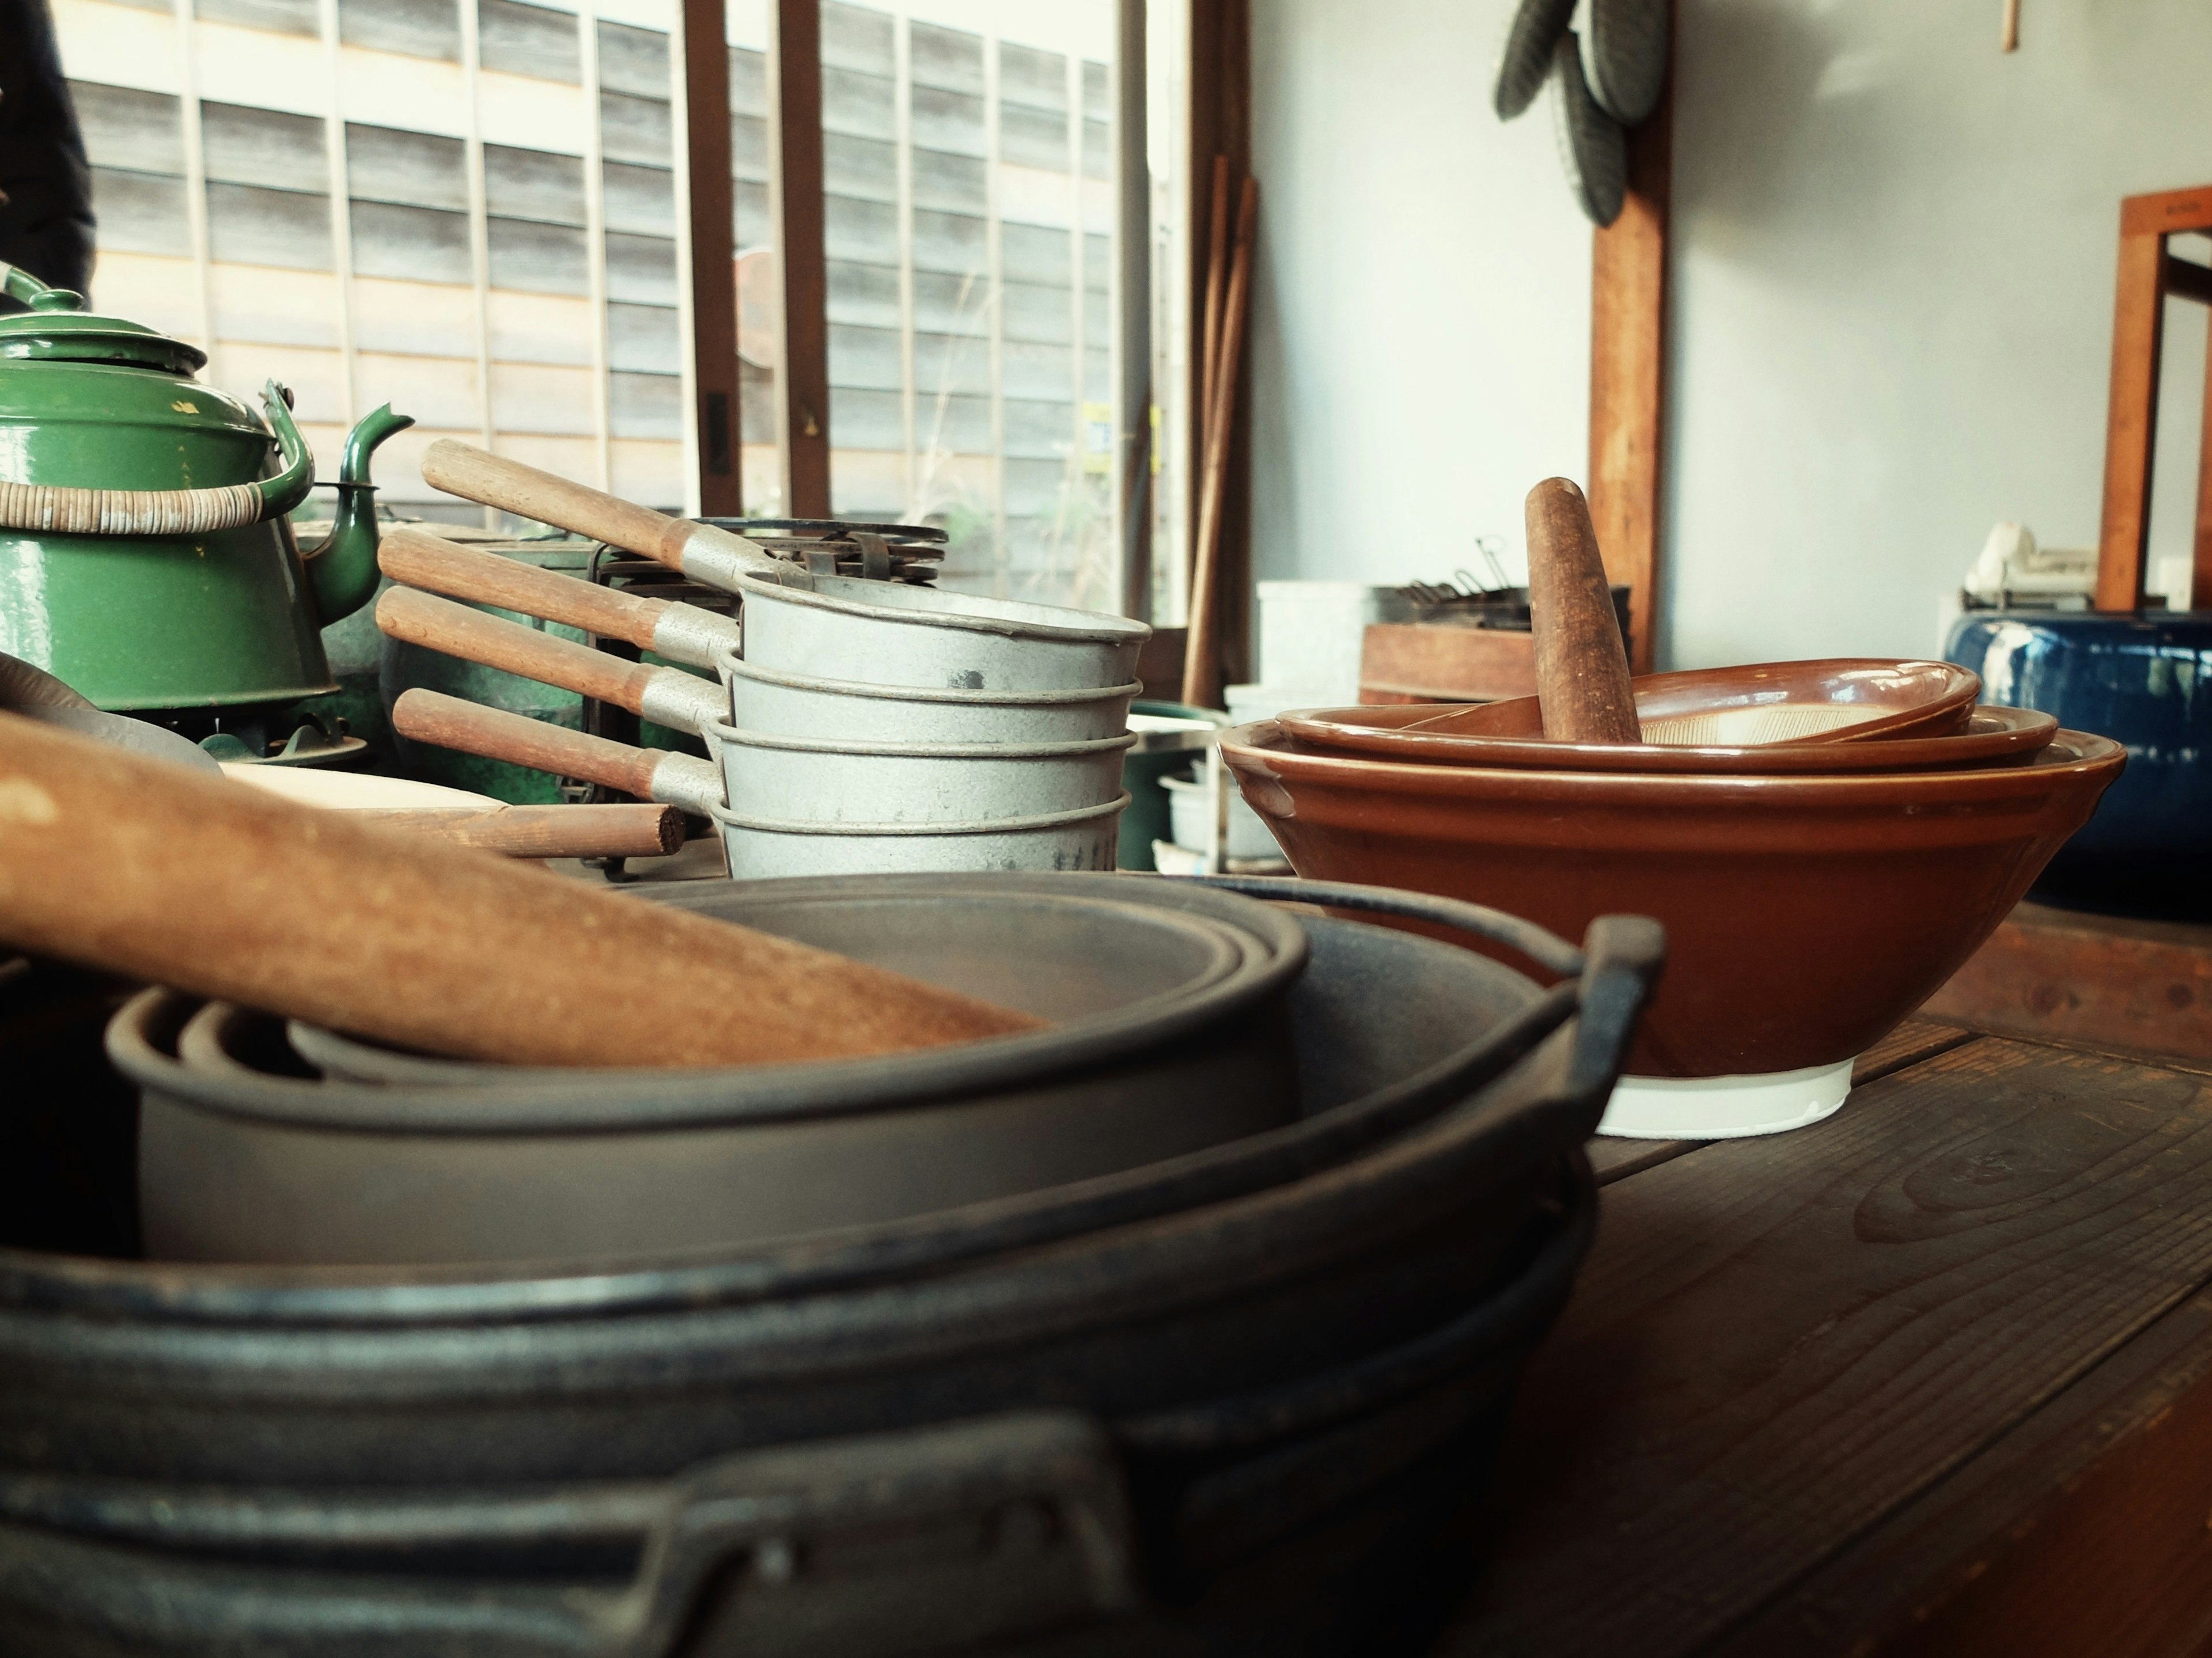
[139,867]
[1582,668]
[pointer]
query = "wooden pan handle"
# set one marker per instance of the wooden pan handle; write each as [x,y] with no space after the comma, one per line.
[1581,669]
[136,866]
[439,625]
[477,475]
[580,831]
[702,551]
[438,566]
[426,716]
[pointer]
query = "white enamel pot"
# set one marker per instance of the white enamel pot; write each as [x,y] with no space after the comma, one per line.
[815,781]
[761,849]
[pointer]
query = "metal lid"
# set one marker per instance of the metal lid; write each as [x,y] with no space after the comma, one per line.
[57,329]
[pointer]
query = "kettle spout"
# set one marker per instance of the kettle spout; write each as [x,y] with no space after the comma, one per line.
[343,570]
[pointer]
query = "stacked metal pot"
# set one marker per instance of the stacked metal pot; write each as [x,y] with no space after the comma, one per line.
[860,725]
[991,736]
[871,725]
[1186,1323]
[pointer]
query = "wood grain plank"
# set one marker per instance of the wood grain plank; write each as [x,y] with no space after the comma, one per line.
[2112,982]
[795,175]
[1447,664]
[1628,381]
[2082,1530]
[2131,420]
[1908,1045]
[1615,1159]
[1778,1342]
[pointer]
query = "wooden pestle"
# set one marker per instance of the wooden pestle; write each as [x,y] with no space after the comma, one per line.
[143,868]
[1581,669]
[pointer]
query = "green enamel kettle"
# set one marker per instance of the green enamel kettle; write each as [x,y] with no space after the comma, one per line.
[145,554]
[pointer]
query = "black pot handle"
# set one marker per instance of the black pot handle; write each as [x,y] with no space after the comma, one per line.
[1616,968]
[955,1536]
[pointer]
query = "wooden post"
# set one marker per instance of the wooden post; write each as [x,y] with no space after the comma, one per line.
[795,171]
[1133,186]
[1220,123]
[2131,421]
[1628,390]
[714,278]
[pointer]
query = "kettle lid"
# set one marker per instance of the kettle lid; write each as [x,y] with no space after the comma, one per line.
[59,329]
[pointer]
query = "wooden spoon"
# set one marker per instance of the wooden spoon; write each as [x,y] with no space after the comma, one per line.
[139,867]
[1582,667]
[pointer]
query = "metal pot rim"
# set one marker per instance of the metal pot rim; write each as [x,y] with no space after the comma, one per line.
[534,1103]
[1050,820]
[1013,618]
[722,731]
[897,1312]
[727,661]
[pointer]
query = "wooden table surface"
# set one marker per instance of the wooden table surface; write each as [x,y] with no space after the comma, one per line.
[1932,1376]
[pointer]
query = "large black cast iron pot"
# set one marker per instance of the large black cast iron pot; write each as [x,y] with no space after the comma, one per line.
[1228,1404]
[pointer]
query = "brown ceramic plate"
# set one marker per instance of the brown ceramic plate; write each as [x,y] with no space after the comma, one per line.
[1992,736]
[1839,699]
[1805,915]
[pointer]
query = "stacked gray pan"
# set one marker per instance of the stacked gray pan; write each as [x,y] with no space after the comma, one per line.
[988,737]
[1185,1325]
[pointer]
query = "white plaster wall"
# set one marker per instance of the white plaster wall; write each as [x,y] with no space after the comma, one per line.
[1894,264]
[1421,350]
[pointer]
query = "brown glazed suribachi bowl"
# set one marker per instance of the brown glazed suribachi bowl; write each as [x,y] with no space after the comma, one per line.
[1805,915]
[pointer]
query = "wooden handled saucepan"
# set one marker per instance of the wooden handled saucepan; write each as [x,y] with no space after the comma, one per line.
[765,701]
[838,628]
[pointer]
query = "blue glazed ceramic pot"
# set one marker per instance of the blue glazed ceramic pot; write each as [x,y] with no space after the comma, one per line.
[2143,678]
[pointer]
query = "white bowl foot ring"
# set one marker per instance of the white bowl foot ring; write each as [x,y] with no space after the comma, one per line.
[1724,1107]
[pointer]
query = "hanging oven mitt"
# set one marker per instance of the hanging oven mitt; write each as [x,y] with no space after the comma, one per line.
[1593,149]
[1625,58]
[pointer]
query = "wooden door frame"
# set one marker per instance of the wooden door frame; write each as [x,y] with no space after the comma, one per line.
[2148,273]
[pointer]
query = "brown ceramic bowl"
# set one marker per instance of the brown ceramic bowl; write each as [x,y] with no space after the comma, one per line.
[1805,915]
[1839,699]
[1991,736]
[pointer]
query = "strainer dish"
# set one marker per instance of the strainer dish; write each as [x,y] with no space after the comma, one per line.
[1838,700]
[1403,734]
